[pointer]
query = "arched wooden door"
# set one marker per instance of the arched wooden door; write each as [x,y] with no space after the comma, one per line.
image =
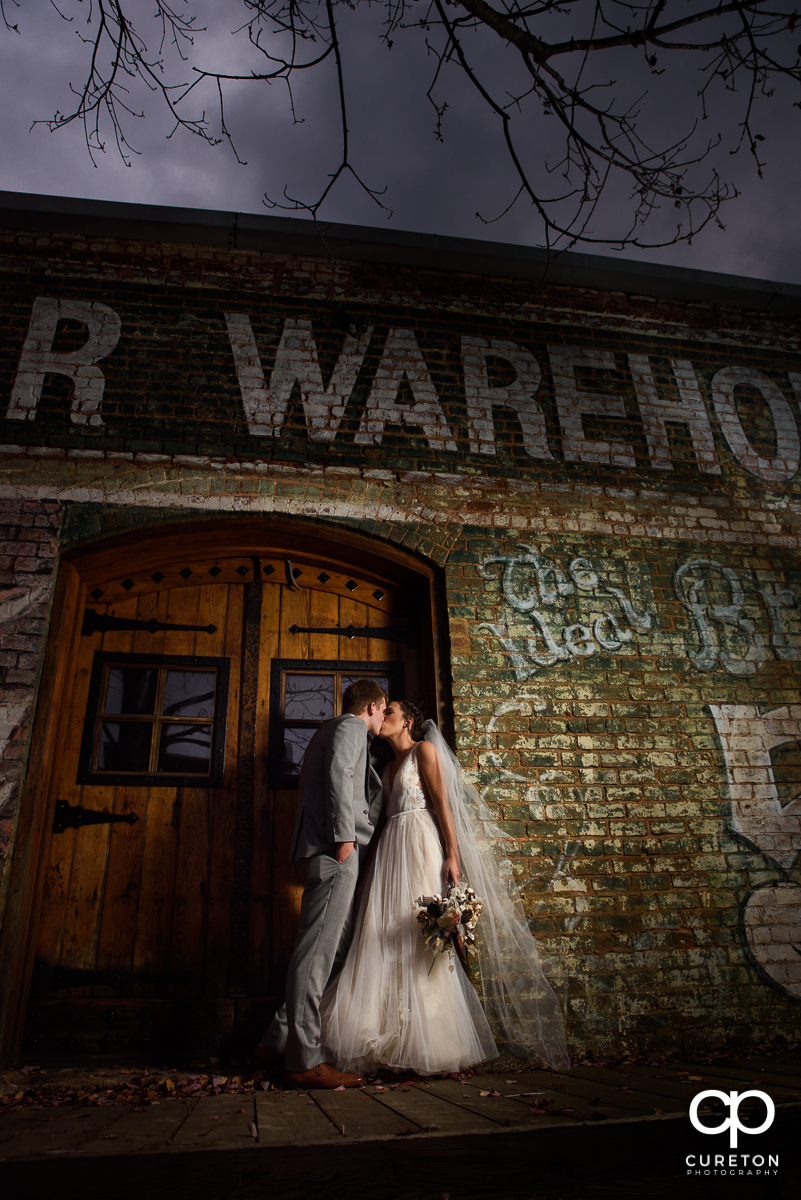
[169,904]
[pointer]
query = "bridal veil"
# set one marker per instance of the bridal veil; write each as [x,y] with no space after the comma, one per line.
[521,1006]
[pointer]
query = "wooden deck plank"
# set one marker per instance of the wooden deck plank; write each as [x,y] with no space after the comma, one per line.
[720,1074]
[12,1124]
[218,1123]
[661,1083]
[430,1112]
[66,1133]
[769,1067]
[292,1119]
[356,1114]
[621,1091]
[588,1100]
[496,1109]
[145,1132]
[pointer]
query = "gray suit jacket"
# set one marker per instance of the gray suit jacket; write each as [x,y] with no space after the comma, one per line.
[339,791]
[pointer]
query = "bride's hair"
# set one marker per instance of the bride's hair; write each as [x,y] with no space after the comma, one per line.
[412,713]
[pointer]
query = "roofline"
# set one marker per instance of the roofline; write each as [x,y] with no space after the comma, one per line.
[360,243]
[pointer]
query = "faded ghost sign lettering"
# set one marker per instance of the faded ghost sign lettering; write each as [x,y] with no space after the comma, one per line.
[657,412]
[530,583]
[296,362]
[402,361]
[784,465]
[598,405]
[39,359]
[726,605]
[482,397]
[573,403]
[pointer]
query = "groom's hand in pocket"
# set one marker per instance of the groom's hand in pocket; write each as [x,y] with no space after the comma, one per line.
[344,850]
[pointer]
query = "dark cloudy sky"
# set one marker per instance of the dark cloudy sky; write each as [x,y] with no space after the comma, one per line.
[431,186]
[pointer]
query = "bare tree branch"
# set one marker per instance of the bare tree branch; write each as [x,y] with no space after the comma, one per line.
[741,49]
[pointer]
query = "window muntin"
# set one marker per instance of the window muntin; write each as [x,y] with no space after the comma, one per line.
[155,720]
[303,696]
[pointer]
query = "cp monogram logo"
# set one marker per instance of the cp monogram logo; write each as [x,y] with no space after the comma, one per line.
[732,1100]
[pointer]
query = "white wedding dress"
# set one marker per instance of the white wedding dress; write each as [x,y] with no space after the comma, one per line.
[395,1003]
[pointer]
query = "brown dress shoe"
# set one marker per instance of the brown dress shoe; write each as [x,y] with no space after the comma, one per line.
[322,1076]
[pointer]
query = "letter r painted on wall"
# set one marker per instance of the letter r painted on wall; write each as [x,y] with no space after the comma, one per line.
[39,359]
[750,740]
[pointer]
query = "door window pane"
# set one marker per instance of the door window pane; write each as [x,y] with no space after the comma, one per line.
[155,720]
[189,694]
[124,746]
[185,749]
[131,690]
[381,680]
[295,742]
[308,697]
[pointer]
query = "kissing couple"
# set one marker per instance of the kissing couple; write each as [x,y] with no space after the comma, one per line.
[363,991]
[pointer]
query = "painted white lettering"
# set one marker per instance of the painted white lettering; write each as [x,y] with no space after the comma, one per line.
[296,362]
[747,736]
[572,403]
[39,359]
[402,361]
[657,412]
[481,396]
[788,448]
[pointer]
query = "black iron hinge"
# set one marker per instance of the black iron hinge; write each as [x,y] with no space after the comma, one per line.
[95,622]
[73,818]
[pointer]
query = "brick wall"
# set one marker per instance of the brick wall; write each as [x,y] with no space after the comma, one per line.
[623,591]
[27,560]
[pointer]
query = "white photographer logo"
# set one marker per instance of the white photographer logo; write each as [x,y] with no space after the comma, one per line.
[732,1100]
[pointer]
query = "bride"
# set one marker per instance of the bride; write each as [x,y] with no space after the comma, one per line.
[396,1004]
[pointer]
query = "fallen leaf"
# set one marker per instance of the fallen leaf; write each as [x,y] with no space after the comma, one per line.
[511,1081]
[252,1130]
[341,1088]
[698,1079]
[403,1133]
[431,1128]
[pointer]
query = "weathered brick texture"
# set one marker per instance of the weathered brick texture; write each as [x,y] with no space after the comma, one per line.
[610,484]
[29,530]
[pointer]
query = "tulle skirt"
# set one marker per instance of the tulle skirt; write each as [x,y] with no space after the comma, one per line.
[396,1004]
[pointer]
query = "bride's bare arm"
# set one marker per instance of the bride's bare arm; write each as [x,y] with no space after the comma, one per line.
[431,779]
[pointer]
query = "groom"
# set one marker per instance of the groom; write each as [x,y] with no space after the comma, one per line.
[339,800]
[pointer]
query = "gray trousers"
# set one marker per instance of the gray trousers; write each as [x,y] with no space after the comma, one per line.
[326,926]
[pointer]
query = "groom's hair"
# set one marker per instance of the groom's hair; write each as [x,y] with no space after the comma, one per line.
[360,694]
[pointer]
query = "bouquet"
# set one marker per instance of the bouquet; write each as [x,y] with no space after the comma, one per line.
[447,923]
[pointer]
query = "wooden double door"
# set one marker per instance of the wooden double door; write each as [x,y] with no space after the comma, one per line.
[169,904]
